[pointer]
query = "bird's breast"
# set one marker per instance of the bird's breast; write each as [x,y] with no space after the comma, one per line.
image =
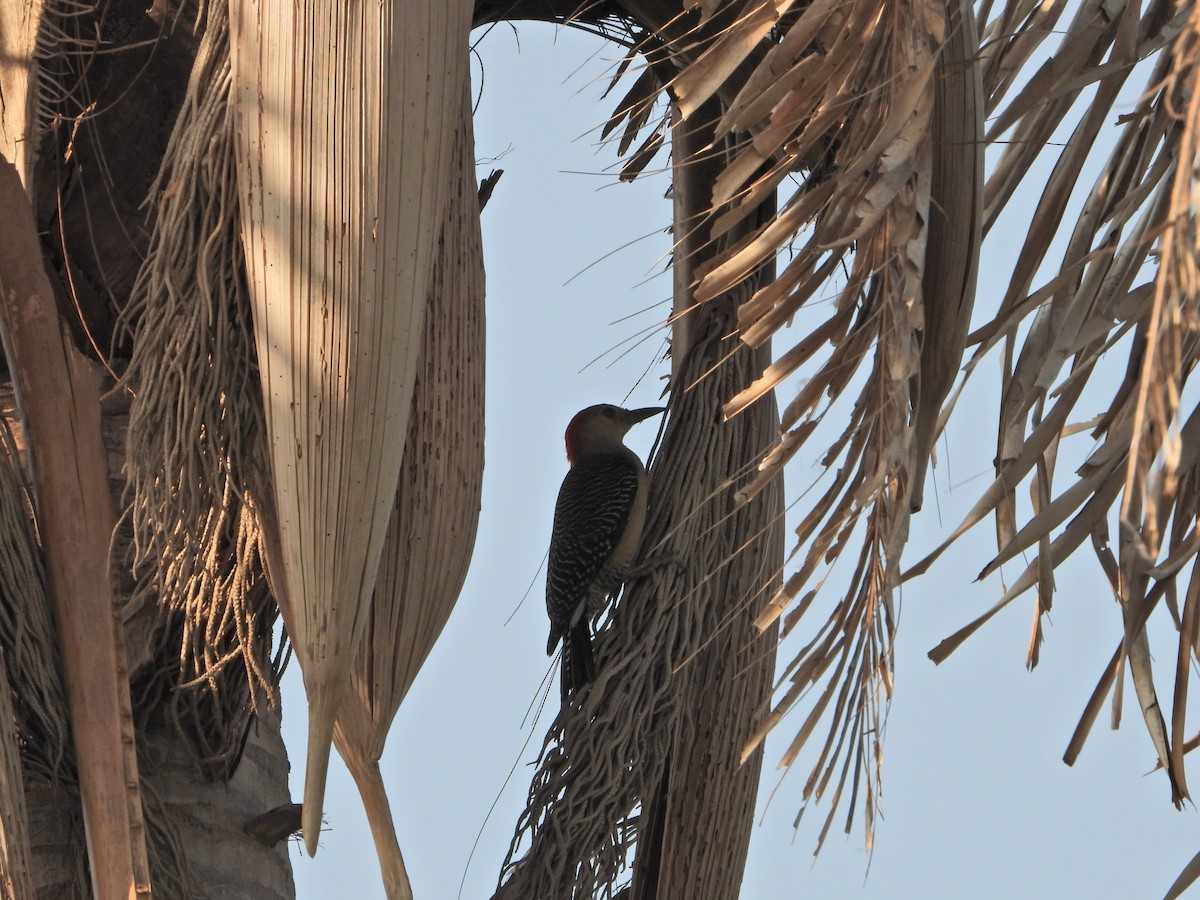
[626,549]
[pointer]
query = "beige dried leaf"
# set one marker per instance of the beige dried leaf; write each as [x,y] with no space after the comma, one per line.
[339,256]
[431,532]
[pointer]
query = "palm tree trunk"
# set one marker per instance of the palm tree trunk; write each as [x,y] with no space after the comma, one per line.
[695,830]
[205,819]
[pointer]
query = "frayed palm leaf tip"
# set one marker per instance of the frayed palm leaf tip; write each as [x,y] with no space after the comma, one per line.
[396,885]
[316,773]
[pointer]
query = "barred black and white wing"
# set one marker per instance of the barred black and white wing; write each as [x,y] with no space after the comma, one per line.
[590,543]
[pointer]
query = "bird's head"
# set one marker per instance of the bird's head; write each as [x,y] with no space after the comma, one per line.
[601,428]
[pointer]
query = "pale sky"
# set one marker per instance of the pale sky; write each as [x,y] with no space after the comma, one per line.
[976,799]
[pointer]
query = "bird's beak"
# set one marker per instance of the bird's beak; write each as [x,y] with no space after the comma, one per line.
[640,415]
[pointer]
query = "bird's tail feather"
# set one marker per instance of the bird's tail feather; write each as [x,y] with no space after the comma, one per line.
[578,663]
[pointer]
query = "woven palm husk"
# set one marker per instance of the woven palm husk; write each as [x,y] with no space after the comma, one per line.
[432,529]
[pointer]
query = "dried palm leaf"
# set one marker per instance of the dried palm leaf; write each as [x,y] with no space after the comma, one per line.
[888,99]
[343,151]
[1144,192]
[883,105]
[431,532]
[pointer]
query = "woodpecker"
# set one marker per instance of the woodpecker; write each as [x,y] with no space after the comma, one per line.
[598,523]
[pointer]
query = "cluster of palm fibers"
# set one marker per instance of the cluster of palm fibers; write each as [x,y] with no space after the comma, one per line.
[35,742]
[431,533]
[1125,283]
[33,700]
[646,760]
[27,628]
[64,44]
[195,431]
[43,83]
[60,44]
[881,105]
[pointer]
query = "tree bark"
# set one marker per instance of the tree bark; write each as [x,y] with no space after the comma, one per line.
[207,819]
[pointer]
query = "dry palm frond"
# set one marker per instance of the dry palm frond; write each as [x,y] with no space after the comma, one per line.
[194,430]
[431,532]
[883,103]
[343,150]
[845,90]
[1138,215]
